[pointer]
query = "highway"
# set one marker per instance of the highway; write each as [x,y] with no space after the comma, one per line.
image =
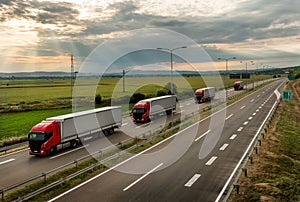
[153,175]
[19,166]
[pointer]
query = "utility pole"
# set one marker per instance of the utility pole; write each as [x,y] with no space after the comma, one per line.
[72,70]
[123,80]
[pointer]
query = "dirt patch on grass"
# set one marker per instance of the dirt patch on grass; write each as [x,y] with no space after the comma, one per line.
[275,172]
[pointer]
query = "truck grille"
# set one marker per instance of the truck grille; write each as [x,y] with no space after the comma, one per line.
[35,146]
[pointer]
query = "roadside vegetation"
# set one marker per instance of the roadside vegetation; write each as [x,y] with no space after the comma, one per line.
[275,172]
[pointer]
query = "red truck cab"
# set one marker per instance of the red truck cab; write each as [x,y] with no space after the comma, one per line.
[43,138]
[141,112]
[199,96]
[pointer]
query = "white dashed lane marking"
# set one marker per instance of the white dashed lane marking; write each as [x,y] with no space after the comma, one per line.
[211,160]
[192,180]
[224,147]
[7,161]
[233,137]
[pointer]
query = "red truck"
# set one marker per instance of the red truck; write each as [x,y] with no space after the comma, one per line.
[238,85]
[204,94]
[146,109]
[66,130]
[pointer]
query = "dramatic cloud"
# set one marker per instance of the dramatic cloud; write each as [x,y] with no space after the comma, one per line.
[251,29]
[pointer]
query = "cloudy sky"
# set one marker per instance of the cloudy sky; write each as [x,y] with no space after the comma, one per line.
[40,35]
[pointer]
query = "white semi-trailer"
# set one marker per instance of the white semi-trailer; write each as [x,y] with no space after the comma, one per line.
[146,109]
[205,94]
[66,130]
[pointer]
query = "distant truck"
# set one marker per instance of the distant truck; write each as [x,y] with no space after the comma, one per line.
[66,130]
[238,85]
[205,94]
[146,109]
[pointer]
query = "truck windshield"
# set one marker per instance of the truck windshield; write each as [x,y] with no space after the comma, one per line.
[39,136]
[139,110]
[198,95]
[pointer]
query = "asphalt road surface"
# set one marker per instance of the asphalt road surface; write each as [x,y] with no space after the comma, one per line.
[168,172]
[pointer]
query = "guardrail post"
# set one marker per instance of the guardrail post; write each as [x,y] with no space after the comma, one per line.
[76,162]
[2,195]
[256,150]
[263,135]
[259,142]
[101,153]
[245,171]
[45,176]
[237,188]
[251,159]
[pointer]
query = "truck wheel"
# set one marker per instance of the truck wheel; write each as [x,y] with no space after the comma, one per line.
[111,130]
[52,150]
[106,133]
[73,143]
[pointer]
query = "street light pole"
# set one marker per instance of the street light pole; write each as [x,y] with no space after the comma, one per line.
[171,57]
[226,74]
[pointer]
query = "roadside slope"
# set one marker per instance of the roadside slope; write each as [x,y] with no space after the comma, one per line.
[275,172]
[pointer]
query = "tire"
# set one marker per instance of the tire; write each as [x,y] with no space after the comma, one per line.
[111,130]
[106,132]
[74,143]
[52,150]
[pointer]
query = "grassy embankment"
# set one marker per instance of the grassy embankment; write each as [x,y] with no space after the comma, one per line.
[24,103]
[275,173]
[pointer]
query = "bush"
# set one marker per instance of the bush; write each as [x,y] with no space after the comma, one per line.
[98,99]
[136,97]
[162,92]
[169,87]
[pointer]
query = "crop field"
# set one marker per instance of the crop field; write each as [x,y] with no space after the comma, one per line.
[24,103]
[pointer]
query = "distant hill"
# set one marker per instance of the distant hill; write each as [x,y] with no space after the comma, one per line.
[42,74]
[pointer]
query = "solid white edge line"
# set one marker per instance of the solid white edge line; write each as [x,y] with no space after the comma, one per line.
[192,180]
[7,161]
[148,173]
[59,155]
[159,143]
[247,150]
[202,135]
[224,147]
[211,160]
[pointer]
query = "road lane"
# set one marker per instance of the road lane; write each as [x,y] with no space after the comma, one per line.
[159,187]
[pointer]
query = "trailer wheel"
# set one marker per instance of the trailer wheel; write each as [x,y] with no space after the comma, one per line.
[73,143]
[106,132]
[111,130]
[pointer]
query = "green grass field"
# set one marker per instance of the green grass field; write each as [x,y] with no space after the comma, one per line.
[23,103]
